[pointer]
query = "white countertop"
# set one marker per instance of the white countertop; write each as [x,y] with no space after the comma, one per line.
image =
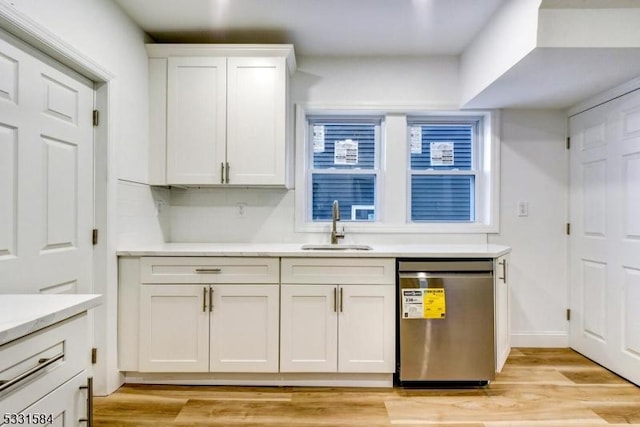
[22,314]
[295,250]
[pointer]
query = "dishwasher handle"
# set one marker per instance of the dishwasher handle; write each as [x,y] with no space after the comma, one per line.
[442,275]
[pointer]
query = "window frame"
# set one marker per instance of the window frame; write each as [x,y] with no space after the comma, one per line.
[476,123]
[313,119]
[392,212]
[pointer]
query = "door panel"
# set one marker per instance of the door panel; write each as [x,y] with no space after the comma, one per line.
[257,115]
[309,328]
[8,191]
[46,175]
[196,120]
[174,328]
[604,242]
[244,328]
[366,330]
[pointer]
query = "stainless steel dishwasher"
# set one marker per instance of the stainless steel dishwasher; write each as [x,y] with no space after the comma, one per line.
[446,321]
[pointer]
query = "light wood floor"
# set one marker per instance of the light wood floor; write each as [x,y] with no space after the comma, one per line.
[538,387]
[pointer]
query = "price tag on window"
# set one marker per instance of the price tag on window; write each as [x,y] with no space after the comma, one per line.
[416,139]
[318,138]
[346,152]
[441,153]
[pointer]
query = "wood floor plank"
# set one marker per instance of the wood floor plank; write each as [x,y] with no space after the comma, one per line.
[537,388]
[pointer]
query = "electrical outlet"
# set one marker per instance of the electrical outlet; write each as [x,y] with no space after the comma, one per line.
[241,210]
[523,209]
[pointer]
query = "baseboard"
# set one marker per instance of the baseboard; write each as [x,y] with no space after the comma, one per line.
[275,379]
[540,339]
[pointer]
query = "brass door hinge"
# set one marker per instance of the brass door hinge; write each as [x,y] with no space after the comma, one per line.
[568,314]
[568,228]
[96,117]
[94,236]
[94,356]
[568,143]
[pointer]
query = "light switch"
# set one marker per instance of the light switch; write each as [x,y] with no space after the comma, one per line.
[523,209]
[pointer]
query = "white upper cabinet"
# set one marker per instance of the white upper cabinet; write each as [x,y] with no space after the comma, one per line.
[196,119]
[220,115]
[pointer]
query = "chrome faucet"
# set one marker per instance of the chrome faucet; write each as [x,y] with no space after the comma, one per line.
[335,217]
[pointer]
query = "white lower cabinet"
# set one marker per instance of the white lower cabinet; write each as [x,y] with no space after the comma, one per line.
[203,328]
[502,297]
[244,328]
[44,376]
[336,326]
[64,407]
[174,328]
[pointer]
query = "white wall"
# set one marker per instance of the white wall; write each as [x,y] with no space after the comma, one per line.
[404,81]
[534,168]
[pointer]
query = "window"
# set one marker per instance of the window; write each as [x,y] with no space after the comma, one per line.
[443,170]
[343,167]
[394,171]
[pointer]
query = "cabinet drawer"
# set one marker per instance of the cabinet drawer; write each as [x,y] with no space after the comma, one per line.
[44,360]
[369,271]
[208,270]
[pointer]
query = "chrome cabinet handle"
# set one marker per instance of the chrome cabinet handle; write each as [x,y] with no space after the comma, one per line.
[42,364]
[204,299]
[89,388]
[503,263]
[208,270]
[221,173]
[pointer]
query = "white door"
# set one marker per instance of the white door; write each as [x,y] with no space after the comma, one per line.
[366,328]
[605,235]
[46,175]
[174,328]
[196,120]
[257,108]
[244,328]
[308,328]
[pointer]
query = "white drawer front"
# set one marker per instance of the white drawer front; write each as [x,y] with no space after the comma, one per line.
[68,338]
[208,270]
[368,271]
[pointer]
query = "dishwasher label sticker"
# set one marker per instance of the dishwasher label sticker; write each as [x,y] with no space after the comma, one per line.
[435,306]
[423,303]
[412,304]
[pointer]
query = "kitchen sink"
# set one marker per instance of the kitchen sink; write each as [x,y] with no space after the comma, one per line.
[330,247]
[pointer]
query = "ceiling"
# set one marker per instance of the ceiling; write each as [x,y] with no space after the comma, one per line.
[319,27]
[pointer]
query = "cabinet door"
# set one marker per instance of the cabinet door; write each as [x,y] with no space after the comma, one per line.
[174,328]
[256,126]
[309,327]
[503,311]
[66,405]
[366,328]
[196,120]
[244,328]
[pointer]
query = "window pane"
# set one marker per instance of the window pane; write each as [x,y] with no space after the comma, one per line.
[354,193]
[442,198]
[360,151]
[441,147]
